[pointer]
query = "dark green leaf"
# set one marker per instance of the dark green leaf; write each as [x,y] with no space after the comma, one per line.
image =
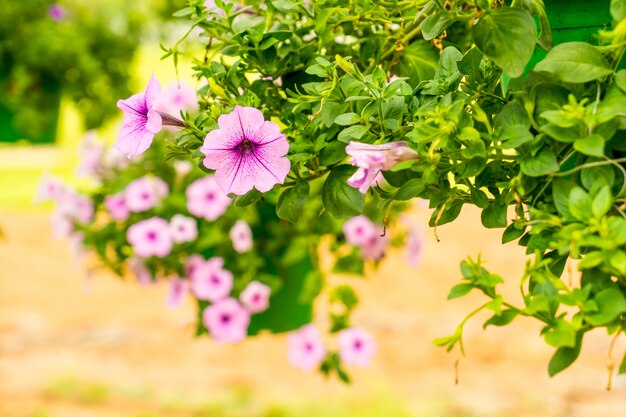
[541,164]
[494,216]
[339,199]
[248,198]
[611,304]
[507,37]
[565,356]
[291,202]
[502,319]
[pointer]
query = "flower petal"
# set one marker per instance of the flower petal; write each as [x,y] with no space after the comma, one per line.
[133,140]
[153,92]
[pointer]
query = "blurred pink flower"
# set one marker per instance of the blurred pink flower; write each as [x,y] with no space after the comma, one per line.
[241,236]
[306,350]
[141,121]
[56,12]
[359,230]
[116,206]
[246,152]
[206,199]
[414,246]
[371,159]
[178,288]
[71,208]
[183,228]
[175,98]
[227,321]
[141,273]
[182,168]
[256,297]
[210,281]
[356,347]
[145,193]
[50,188]
[91,155]
[192,263]
[151,237]
[375,248]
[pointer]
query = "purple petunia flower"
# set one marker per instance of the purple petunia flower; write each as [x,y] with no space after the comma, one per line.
[56,12]
[256,297]
[227,320]
[306,349]
[356,347]
[141,121]
[361,232]
[371,159]
[246,152]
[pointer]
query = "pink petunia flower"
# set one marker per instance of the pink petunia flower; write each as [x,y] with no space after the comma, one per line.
[178,288]
[359,230]
[371,159]
[256,297]
[227,321]
[116,206]
[356,347]
[206,199]
[241,236]
[50,188]
[306,349]
[141,120]
[91,155]
[192,263]
[151,237]
[145,193]
[183,228]
[210,281]
[246,152]
[175,98]
[141,273]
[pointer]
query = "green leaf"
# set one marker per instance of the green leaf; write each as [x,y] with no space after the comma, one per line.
[541,164]
[332,153]
[459,291]
[186,11]
[248,198]
[512,232]
[339,199]
[353,132]
[575,62]
[611,304]
[602,202]
[418,62]
[291,202]
[507,37]
[502,319]
[592,145]
[410,189]
[560,334]
[514,136]
[434,24]
[494,216]
[580,204]
[565,356]
[597,175]
[479,198]
[347,119]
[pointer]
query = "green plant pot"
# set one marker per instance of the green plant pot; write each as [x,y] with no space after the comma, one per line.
[574,21]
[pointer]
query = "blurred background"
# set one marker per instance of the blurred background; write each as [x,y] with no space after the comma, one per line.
[76,341]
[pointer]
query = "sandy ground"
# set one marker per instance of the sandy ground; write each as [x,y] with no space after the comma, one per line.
[75,346]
